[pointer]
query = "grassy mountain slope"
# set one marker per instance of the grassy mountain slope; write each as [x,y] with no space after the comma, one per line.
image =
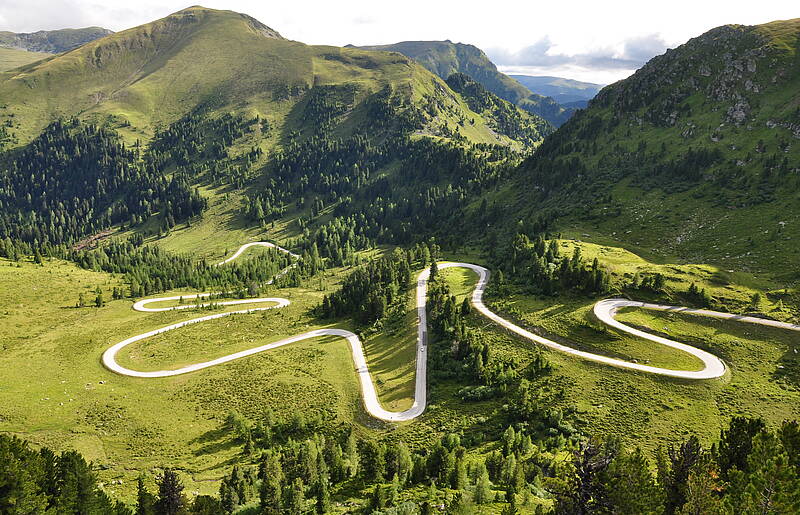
[445,58]
[504,117]
[12,58]
[560,89]
[696,155]
[51,41]
[204,61]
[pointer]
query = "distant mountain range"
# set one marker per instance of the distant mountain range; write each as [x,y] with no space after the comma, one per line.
[445,58]
[18,49]
[51,41]
[566,92]
[552,98]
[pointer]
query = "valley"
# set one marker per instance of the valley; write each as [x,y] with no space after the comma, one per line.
[390,279]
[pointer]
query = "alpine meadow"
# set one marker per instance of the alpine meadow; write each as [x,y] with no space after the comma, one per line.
[244,274]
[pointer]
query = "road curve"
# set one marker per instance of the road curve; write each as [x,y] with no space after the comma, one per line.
[604,310]
[256,244]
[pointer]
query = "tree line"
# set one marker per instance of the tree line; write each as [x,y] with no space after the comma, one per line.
[76,179]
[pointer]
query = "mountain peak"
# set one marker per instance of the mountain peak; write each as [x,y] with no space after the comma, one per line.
[200,11]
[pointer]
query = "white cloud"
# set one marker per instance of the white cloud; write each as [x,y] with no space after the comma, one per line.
[578,37]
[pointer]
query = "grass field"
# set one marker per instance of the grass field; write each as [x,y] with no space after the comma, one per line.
[646,410]
[13,57]
[57,393]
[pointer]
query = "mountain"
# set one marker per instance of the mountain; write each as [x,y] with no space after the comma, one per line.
[501,115]
[12,57]
[205,97]
[695,155]
[203,60]
[51,41]
[564,91]
[19,49]
[445,58]
[576,104]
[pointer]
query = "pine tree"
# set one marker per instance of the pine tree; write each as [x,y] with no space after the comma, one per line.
[631,487]
[296,500]
[323,495]
[373,461]
[466,307]
[272,479]
[170,493]
[483,489]
[735,444]
[394,491]
[77,485]
[145,501]
[702,488]
[206,505]
[352,457]
[227,497]
[789,434]
[434,271]
[458,476]
[772,486]
[405,464]
[675,474]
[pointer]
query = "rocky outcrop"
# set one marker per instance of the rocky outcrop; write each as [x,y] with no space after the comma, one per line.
[52,41]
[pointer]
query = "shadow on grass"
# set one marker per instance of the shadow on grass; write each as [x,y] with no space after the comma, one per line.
[213,441]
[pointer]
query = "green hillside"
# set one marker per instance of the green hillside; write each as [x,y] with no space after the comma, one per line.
[201,60]
[12,58]
[695,155]
[51,41]
[445,58]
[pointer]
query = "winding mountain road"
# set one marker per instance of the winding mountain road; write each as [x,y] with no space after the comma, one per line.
[604,310]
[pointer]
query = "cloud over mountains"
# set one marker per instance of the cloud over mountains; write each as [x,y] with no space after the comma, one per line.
[614,61]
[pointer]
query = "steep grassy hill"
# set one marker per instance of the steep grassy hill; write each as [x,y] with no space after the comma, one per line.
[445,58]
[203,61]
[51,41]
[12,57]
[563,91]
[696,155]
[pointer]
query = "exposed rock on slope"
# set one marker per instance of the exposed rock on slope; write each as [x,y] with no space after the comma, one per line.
[52,41]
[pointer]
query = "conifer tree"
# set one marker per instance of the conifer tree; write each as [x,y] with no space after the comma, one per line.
[170,493]
[483,488]
[145,501]
[295,503]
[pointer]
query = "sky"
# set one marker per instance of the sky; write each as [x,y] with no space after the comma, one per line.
[593,41]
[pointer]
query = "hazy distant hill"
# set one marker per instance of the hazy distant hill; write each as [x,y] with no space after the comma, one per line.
[564,91]
[51,41]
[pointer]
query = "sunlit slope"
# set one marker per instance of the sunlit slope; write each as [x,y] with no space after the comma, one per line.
[14,57]
[696,155]
[205,60]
